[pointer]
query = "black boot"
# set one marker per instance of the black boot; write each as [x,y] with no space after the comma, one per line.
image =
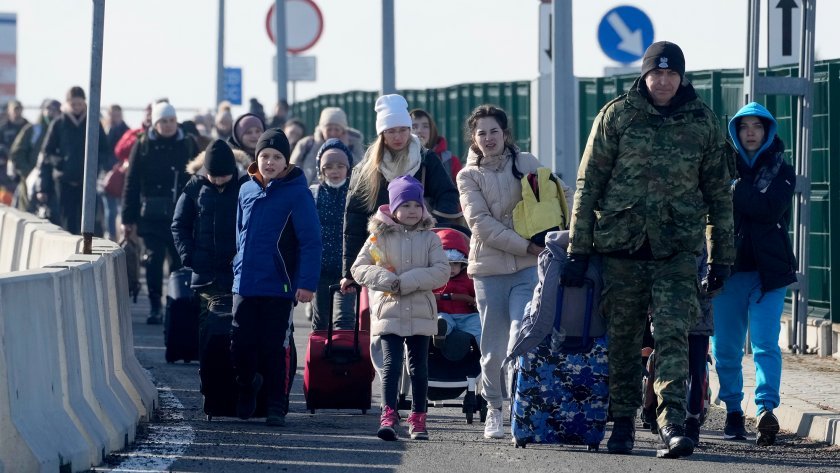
[675,442]
[692,429]
[623,436]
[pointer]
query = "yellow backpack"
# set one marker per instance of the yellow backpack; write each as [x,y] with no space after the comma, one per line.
[543,207]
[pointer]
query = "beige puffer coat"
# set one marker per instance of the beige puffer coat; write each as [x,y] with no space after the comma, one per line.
[489,193]
[419,266]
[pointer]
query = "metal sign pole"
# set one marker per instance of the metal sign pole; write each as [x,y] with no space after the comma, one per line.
[220,55]
[565,159]
[388,67]
[89,195]
[280,41]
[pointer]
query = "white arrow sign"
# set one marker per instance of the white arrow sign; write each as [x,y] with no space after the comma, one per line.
[631,41]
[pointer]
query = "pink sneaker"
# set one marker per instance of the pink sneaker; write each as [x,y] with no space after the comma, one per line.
[417,426]
[388,423]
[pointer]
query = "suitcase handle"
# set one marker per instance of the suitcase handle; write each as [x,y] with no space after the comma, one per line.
[356,326]
[590,296]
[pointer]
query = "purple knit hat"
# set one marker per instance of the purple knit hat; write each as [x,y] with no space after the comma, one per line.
[404,189]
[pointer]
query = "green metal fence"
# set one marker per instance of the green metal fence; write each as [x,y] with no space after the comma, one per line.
[449,106]
[722,90]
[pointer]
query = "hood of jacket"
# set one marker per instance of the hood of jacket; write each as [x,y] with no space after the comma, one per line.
[453,239]
[293,174]
[382,222]
[441,146]
[753,109]
[234,140]
[492,163]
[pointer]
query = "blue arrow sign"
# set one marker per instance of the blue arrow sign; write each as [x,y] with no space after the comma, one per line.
[233,85]
[624,33]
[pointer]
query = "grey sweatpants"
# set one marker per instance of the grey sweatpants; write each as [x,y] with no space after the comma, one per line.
[501,303]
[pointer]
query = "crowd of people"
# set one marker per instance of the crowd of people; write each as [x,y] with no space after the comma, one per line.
[249,204]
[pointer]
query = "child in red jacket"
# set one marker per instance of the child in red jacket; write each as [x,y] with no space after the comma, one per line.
[456,300]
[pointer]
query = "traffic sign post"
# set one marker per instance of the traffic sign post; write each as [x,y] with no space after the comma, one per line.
[784,31]
[624,34]
[304,25]
[232,86]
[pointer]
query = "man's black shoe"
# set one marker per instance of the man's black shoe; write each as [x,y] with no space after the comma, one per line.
[675,442]
[154,317]
[768,427]
[692,429]
[623,436]
[247,402]
[734,428]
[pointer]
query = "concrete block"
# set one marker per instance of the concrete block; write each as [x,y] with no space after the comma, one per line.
[112,291]
[10,238]
[29,230]
[82,313]
[49,247]
[36,432]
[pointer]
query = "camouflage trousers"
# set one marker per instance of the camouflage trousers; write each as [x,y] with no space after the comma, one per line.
[668,289]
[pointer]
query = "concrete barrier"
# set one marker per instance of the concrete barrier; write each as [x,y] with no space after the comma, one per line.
[71,388]
[44,434]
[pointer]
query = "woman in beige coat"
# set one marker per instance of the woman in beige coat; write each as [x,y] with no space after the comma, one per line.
[400,263]
[501,263]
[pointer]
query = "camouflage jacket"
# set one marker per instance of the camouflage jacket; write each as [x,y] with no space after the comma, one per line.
[644,175]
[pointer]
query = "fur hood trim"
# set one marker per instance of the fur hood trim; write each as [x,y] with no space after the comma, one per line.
[382,222]
[196,165]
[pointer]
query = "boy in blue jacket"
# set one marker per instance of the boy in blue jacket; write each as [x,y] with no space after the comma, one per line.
[278,242]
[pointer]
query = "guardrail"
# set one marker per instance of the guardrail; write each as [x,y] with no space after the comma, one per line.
[71,389]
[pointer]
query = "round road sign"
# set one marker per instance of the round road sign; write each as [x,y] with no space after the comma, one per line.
[304,25]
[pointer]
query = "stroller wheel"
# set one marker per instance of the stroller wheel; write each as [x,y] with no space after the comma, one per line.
[519,443]
[592,448]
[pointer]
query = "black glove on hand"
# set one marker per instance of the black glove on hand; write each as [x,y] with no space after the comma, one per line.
[717,275]
[574,270]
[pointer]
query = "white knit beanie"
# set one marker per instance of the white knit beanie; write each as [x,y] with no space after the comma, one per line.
[333,116]
[162,110]
[391,112]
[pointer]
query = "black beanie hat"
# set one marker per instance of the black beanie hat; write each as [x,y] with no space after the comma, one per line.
[663,55]
[273,138]
[219,160]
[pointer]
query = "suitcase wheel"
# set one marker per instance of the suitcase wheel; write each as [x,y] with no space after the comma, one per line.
[311,411]
[592,447]
[209,418]
[364,411]
[519,443]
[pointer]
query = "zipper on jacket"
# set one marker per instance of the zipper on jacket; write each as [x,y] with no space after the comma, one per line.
[282,261]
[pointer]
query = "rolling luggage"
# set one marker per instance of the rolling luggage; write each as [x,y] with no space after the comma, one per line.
[338,371]
[218,378]
[561,391]
[180,330]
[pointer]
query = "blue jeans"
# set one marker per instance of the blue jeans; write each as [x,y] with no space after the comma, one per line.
[112,209]
[469,323]
[501,303]
[739,304]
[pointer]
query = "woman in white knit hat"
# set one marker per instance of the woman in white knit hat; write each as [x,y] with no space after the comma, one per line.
[396,152]
[333,124]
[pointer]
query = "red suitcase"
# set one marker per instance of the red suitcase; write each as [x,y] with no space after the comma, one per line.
[338,372]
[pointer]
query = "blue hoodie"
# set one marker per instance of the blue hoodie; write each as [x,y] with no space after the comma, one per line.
[753,109]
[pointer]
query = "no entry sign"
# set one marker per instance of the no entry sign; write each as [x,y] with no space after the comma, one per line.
[304,25]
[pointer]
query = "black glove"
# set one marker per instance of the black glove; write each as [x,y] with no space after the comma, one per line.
[574,270]
[717,275]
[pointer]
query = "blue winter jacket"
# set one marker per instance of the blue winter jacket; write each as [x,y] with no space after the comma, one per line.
[278,237]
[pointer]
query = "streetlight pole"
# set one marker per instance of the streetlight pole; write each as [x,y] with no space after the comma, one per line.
[89,196]
[388,68]
[280,41]
[220,55]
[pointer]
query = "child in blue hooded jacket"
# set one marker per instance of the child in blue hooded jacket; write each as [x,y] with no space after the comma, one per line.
[764,266]
[278,237]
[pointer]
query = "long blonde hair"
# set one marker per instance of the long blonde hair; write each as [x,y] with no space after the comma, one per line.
[370,176]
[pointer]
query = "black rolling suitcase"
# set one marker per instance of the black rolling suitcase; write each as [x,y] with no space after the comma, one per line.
[181,318]
[218,378]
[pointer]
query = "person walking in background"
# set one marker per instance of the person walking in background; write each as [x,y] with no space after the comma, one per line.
[116,126]
[333,124]
[153,185]
[14,123]
[400,264]
[281,114]
[334,161]
[753,298]
[502,264]
[395,153]
[424,127]
[652,177]
[246,132]
[256,108]
[224,122]
[110,196]
[204,225]
[61,170]
[295,130]
[26,148]
[277,239]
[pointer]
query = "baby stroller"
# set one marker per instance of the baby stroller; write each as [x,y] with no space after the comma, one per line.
[454,367]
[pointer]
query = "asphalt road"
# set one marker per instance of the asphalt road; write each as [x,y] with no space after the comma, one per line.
[181,439]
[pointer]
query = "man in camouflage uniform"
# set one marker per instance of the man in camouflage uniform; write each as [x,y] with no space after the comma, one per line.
[652,176]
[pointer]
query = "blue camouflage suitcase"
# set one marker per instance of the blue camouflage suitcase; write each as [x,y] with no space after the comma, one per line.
[561,391]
